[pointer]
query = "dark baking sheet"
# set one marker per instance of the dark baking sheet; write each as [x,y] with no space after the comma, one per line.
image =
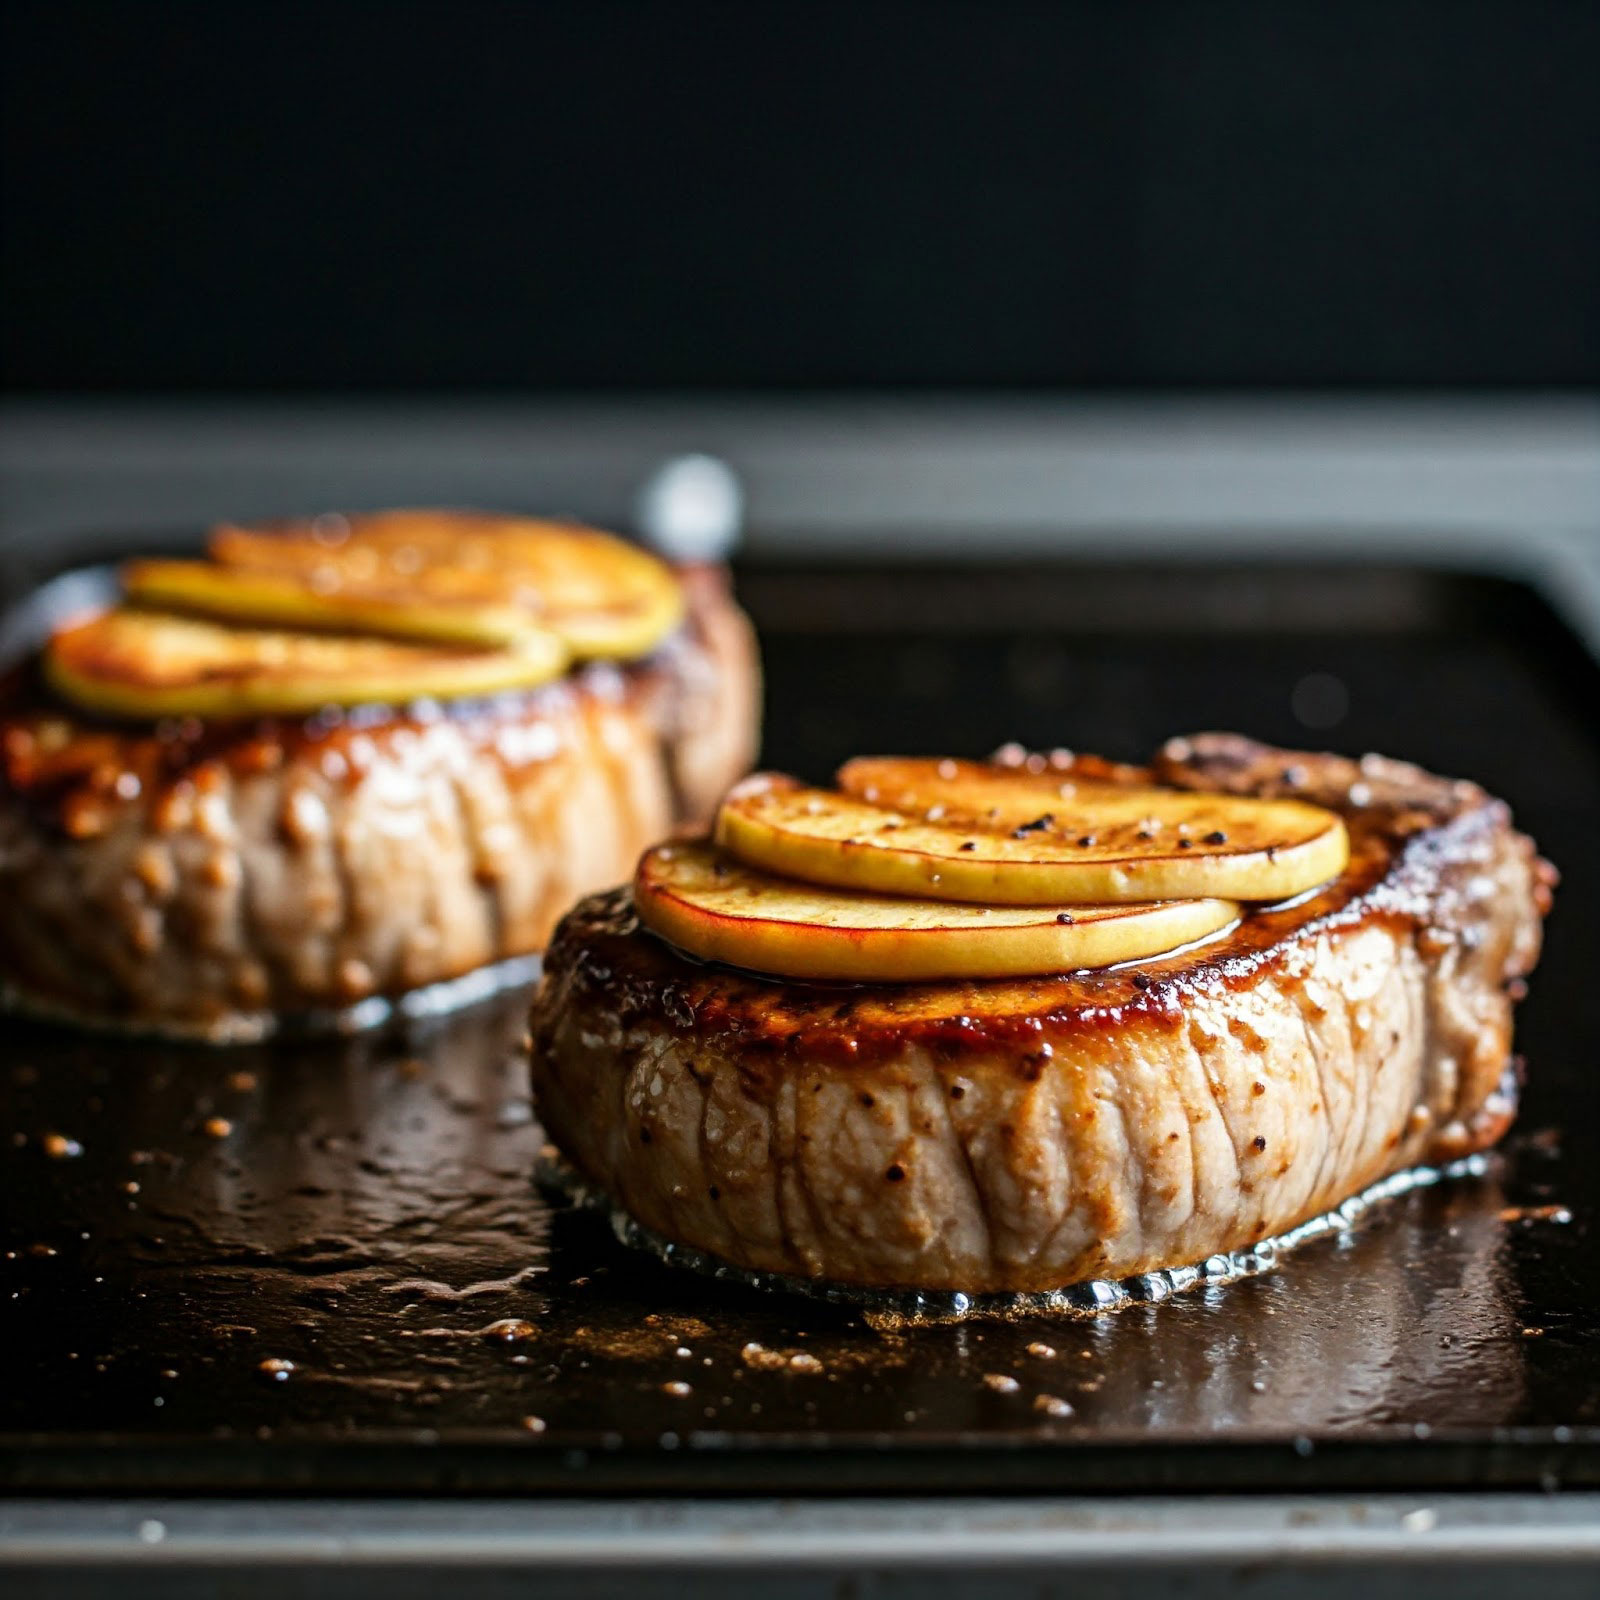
[363,1210]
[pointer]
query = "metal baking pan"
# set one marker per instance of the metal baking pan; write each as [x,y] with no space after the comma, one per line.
[322,1267]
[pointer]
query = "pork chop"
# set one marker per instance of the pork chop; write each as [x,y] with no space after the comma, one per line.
[1026,1135]
[210,877]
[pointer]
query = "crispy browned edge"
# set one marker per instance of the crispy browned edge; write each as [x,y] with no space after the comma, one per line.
[91,762]
[1409,830]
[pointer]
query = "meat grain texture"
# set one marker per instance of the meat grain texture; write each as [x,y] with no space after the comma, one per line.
[1022,1136]
[207,878]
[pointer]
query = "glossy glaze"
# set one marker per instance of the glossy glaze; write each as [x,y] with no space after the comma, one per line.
[1401,855]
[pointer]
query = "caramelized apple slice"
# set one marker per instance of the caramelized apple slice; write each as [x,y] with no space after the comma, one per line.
[250,595]
[693,895]
[148,664]
[1001,797]
[606,597]
[1023,845]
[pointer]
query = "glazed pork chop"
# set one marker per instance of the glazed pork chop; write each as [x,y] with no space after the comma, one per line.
[206,877]
[1023,1135]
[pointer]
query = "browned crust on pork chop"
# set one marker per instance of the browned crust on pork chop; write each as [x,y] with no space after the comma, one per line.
[200,876]
[1023,1135]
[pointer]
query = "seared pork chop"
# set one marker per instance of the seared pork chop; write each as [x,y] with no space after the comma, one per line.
[207,877]
[1025,1135]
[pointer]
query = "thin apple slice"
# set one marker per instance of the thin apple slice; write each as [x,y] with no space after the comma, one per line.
[148,664]
[622,632]
[697,898]
[606,597]
[261,596]
[1083,843]
[999,797]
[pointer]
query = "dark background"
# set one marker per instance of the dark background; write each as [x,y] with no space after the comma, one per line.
[590,196]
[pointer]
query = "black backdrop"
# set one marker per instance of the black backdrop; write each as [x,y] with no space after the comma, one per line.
[380,196]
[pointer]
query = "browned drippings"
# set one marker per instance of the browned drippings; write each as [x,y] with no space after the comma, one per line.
[1559,1214]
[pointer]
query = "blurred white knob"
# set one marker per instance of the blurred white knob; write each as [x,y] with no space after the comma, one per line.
[691,508]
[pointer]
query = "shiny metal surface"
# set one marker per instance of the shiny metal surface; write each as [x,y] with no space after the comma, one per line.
[1202,1533]
[321,1266]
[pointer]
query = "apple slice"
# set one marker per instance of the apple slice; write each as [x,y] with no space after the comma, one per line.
[147,664]
[1000,797]
[249,595]
[460,575]
[695,897]
[1032,839]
